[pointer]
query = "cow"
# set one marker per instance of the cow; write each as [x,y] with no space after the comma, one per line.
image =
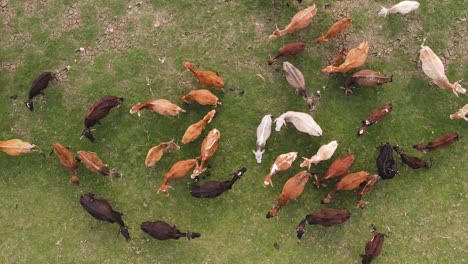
[263,133]
[98,111]
[302,121]
[325,152]
[282,162]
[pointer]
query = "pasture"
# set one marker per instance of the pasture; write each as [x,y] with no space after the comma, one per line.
[135,49]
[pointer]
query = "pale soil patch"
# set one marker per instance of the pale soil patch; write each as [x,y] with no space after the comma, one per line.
[71,18]
[10,66]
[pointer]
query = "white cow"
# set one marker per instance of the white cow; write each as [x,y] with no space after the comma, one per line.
[263,133]
[461,114]
[404,7]
[302,121]
[325,152]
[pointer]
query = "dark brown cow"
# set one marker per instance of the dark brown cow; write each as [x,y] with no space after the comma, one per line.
[163,231]
[38,85]
[288,50]
[440,142]
[373,247]
[98,111]
[326,217]
[375,116]
[214,189]
[102,210]
[413,162]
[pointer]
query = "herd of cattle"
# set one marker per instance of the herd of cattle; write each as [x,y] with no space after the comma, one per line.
[363,181]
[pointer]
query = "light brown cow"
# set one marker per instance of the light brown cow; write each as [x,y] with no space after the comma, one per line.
[194,130]
[338,168]
[178,170]
[461,114]
[282,162]
[160,106]
[291,190]
[155,153]
[202,97]
[68,160]
[347,183]
[208,148]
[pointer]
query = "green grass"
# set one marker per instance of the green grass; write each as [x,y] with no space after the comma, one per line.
[422,211]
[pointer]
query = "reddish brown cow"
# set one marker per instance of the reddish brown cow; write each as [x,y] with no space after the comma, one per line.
[347,183]
[375,116]
[327,217]
[177,171]
[373,247]
[288,50]
[338,168]
[440,142]
[202,97]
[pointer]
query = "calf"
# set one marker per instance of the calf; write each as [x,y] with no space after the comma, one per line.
[327,217]
[302,121]
[386,164]
[202,97]
[160,106]
[413,162]
[292,189]
[375,116]
[40,83]
[194,131]
[163,231]
[325,152]
[155,153]
[263,133]
[440,142]
[102,210]
[373,247]
[178,170]
[98,111]
[67,159]
[207,150]
[338,168]
[462,112]
[347,183]
[214,189]
[282,162]
[365,188]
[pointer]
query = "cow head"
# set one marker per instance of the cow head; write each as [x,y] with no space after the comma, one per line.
[258,155]
[29,104]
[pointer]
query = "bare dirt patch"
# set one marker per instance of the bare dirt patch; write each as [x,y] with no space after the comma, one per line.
[6,13]
[71,18]
[10,66]
[23,38]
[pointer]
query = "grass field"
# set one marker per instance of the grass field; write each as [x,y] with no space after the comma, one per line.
[424,212]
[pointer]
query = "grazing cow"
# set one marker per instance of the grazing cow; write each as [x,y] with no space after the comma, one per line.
[202,97]
[327,217]
[102,210]
[296,79]
[156,153]
[386,164]
[413,162]
[404,7]
[375,116]
[214,189]
[302,121]
[365,78]
[194,131]
[208,148]
[354,59]
[38,85]
[373,247]
[16,147]
[163,231]
[288,51]
[347,183]
[178,170]
[338,168]
[291,190]
[160,106]
[365,188]
[462,112]
[282,162]
[263,133]
[300,20]
[68,160]
[206,78]
[98,111]
[93,163]
[325,152]
[440,142]
[337,28]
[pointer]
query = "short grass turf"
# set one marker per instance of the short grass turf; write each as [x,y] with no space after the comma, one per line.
[422,211]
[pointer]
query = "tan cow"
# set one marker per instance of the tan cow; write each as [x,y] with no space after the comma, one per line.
[160,106]
[155,153]
[461,114]
[194,130]
[202,97]
[208,148]
[178,170]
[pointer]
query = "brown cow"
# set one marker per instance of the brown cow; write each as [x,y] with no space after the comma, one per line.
[98,111]
[208,148]
[373,247]
[206,78]
[288,50]
[93,163]
[156,153]
[365,78]
[68,160]
[327,217]
[194,130]
[413,162]
[338,168]
[202,97]
[163,231]
[40,83]
[291,190]
[461,113]
[282,162]
[375,116]
[178,170]
[440,142]
[365,188]
[160,106]
[347,183]
[337,28]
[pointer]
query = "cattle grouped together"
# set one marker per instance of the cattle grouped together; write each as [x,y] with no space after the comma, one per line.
[363,181]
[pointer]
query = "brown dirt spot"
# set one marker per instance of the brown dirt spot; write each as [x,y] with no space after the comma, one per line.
[71,18]
[10,66]
[23,38]
[29,8]
[6,13]
[22,133]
